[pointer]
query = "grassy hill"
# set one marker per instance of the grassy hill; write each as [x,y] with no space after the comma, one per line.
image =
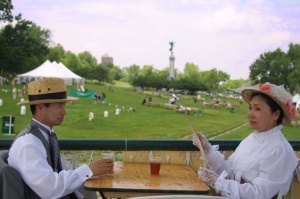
[146,122]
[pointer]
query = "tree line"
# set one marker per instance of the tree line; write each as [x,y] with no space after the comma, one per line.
[24,45]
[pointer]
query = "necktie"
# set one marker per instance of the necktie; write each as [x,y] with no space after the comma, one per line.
[56,158]
[54,151]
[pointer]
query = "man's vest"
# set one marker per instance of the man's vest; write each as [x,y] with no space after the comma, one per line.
[33,128]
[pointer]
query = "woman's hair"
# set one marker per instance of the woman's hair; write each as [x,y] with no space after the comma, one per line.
[272,104]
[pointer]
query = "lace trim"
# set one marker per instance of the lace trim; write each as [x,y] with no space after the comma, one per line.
[265,134]
[218,183]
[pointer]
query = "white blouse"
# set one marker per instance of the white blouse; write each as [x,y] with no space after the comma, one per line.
[261,166]
[29,157]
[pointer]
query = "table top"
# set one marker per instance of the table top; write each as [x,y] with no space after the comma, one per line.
[135,177]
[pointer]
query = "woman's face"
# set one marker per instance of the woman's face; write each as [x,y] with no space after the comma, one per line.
[260,116]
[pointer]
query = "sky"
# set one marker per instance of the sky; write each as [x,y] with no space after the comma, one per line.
[228,35]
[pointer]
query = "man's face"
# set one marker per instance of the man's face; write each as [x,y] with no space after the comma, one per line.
[54,114]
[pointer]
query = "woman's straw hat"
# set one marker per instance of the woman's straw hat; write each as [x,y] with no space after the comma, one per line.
[278,94]
[47,90]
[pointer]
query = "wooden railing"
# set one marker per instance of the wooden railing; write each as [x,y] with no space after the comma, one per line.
[182,150]
[132,145]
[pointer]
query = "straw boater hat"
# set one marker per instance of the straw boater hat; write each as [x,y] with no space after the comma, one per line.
[47,90]
[278,94]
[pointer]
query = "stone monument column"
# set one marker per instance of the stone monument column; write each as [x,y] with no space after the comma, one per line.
[172,62]
[172,66]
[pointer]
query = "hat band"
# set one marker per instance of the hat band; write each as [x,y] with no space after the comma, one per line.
[59,95]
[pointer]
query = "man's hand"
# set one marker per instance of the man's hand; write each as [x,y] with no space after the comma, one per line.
[103,166]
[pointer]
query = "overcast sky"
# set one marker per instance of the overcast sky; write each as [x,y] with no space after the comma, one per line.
[225,34]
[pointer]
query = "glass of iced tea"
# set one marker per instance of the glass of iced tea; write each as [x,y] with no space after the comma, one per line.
[155,165]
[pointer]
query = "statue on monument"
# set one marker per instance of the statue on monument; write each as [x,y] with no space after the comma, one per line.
[172,45]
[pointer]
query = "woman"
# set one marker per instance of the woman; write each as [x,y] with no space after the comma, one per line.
[262,166]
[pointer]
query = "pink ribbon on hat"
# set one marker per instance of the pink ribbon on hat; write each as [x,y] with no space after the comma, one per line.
[264,87]
[291,108]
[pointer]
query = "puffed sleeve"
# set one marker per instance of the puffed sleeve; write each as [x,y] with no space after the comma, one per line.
[216,160]
[274,174]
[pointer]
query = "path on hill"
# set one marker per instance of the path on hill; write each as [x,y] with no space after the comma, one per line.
[225,133]
[230,131]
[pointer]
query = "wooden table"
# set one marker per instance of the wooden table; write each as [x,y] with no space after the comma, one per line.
[134,179]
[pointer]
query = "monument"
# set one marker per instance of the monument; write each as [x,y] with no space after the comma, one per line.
[172,62]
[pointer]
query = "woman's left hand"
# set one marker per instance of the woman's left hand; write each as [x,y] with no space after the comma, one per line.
[207,176]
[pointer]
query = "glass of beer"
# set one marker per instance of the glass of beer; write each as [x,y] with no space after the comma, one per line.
[155,165]
[107,155]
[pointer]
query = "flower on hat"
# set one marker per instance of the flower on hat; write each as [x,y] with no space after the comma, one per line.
[278,94]
[291,108]
[266,88]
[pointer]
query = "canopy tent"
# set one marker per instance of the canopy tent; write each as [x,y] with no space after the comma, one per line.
[51,69]
[296,100]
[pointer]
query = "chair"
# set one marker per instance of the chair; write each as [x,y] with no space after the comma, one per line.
[11,184]
[291,191]
[179,196]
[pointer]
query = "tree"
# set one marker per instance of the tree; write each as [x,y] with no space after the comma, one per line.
[146,77]
[87,60]
[56,53]
[147,70]
[5,10]
[260,69]
[294,54]
[100,73]
[131,73]
[213,78]
[116,73]
[191,84]
[160,79]
[191,71]
[140,81]
[26,46]
[280,69]
[273,67]
[71,61]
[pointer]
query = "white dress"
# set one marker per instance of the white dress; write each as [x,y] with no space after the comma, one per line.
[261,166]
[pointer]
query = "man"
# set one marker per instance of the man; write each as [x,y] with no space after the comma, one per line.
[34,153]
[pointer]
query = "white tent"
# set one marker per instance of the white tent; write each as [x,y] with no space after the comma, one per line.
[51,69]
[296,100]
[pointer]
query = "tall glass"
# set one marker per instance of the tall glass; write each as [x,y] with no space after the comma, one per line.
[155,163]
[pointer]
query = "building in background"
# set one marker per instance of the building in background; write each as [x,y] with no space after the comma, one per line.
[106,59]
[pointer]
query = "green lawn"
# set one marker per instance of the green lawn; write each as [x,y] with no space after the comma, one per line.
[145,123]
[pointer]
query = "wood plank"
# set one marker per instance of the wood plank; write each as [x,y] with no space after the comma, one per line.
[136,178]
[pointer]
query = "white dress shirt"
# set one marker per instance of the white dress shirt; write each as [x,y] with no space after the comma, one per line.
[261,166]
[28,155]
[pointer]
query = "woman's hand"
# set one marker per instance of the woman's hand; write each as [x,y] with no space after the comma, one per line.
[204,142]
[207,176]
